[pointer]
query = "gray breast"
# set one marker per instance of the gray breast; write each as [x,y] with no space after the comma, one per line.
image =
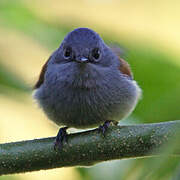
[87,101]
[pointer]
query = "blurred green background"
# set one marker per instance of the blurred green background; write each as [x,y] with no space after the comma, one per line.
[148,31]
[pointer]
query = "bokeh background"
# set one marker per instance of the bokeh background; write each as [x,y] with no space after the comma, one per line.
[149,33]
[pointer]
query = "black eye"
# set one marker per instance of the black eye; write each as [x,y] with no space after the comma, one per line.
[96,53]
[67,52]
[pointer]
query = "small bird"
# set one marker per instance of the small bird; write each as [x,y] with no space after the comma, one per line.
[84,84]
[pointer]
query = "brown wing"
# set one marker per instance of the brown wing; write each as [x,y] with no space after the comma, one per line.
[124,66]
[41,76]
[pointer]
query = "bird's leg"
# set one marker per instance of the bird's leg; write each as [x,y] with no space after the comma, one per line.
[61,136]
[103,128]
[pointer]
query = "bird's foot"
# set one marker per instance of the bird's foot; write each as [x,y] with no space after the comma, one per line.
[103,128]
[61,136]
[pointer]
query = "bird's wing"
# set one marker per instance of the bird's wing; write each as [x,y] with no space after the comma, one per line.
[124,66]
[42,73]
[41,76]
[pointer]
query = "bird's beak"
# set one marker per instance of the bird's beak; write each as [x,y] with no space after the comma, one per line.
[82,59]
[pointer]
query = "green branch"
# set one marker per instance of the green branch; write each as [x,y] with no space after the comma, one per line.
[87,148]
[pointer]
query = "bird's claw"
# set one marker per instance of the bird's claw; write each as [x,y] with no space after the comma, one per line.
[61,136]
[103,128]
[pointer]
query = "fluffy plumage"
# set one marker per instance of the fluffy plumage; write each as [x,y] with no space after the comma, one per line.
[84,83]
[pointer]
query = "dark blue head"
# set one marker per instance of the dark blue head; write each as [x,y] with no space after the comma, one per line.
[84,46]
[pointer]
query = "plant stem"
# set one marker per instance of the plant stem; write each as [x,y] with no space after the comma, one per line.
[87,148]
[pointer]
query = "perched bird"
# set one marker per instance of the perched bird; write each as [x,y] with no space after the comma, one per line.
[85,84]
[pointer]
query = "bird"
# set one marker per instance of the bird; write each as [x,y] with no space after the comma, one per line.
[85,84]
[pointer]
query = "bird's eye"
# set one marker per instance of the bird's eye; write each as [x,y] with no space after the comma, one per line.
[96,53]
[67,52]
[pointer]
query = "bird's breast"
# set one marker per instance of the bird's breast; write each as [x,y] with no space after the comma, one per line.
[86,99]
